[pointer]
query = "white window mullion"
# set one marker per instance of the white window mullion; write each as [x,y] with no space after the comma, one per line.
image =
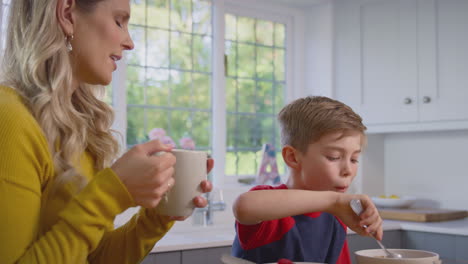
[219,94]
[1,26]
[119,101]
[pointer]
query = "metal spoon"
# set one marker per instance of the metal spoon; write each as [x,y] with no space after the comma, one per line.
[357,208]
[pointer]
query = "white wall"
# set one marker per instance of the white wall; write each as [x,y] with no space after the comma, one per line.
[319,49]
[430,165]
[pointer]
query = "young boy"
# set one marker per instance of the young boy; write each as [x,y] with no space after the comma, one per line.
[306,219]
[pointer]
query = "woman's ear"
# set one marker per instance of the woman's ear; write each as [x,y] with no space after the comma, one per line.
[65,17]
[290,157]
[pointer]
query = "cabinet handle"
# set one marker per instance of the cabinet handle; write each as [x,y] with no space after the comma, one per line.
[408,100]
[426,99]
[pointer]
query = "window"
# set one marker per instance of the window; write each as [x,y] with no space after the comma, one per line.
[3,19]
[255,85]
[172,78]
[168,80]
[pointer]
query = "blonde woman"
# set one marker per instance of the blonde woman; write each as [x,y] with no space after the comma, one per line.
[59,187]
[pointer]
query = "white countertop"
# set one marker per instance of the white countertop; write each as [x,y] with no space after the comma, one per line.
[184,236]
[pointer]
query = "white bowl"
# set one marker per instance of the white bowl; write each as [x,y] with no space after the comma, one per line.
[401,202]
[410,256]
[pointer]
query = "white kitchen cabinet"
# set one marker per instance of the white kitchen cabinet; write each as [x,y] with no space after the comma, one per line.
[403,65]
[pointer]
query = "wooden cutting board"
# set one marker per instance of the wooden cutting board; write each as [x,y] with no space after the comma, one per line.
[422,215]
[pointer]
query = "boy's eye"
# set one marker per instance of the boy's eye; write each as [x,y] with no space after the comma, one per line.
[331,158]
[118,23]
[354,161]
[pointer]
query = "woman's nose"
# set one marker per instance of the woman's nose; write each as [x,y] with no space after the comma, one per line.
[128,43]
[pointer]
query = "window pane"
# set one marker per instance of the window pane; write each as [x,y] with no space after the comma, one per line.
[248,136]
[265,98]
[231,126]
[135,85]
[181,89]
[201,16]
[279,96]
[157,87]
[231,27]
[264,32]
[249,163]
[158,48]
[279,65]
[264,63]
[158,13]
[181,124]
[181,15]
[135,125]
[246,26]
[231,92]
[231,53]
[266,125]
[231,163]
[201,130]
[201,90]
[181,53]
[201,53]
[280,35]
[246,60]
[138,12]
[157,118]
[137,56]
[246,95]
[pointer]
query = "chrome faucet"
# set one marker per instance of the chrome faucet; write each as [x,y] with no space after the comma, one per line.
[204,216]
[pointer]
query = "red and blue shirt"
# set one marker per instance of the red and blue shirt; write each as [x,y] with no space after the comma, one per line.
[313,237]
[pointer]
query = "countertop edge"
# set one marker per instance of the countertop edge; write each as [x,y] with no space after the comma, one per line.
[456,227]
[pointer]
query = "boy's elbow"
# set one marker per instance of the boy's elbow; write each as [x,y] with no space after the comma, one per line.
[240,209]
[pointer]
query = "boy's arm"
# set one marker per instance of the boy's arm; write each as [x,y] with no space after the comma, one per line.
[262,205]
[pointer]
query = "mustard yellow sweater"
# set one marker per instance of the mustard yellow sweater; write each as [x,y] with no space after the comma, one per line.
[66,228]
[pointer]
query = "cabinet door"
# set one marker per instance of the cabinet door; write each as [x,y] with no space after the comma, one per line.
[443,45]
[376,59]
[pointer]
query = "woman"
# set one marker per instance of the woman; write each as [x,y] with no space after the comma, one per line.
[59,187]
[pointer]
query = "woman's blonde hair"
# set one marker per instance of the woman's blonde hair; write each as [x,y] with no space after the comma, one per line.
[36,64]
[306,120]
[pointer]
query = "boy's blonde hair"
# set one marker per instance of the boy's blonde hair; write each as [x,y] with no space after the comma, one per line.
[306,120]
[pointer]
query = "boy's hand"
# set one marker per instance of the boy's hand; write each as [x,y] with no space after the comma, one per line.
[369,217]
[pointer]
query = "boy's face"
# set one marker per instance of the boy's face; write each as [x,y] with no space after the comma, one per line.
[330,164]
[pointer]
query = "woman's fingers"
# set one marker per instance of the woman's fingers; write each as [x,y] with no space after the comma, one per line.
[209,164]
[206,186]
[200,202]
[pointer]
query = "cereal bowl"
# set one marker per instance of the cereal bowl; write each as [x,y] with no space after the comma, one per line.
[409,256]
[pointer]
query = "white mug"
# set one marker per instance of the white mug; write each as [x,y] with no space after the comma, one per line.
[189,171]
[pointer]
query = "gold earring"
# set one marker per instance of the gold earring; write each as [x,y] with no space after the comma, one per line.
[68,40]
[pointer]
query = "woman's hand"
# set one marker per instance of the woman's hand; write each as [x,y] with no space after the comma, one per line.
[206,186]
[147,177]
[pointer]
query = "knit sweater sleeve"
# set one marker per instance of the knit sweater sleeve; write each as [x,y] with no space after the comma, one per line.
[25,169]
[133,241]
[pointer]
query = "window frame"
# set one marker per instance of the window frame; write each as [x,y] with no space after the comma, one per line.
[1,26]
[294,21]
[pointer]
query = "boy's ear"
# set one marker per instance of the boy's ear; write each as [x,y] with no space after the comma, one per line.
[65,16]
[290,157]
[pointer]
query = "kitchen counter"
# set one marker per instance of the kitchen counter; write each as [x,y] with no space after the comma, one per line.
[184,236]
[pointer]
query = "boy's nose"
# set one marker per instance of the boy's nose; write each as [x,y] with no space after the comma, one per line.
[346,169]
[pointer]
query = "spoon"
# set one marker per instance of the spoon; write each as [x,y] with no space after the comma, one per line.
[357,208]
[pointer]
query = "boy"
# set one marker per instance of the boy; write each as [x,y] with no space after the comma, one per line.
[306,219]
